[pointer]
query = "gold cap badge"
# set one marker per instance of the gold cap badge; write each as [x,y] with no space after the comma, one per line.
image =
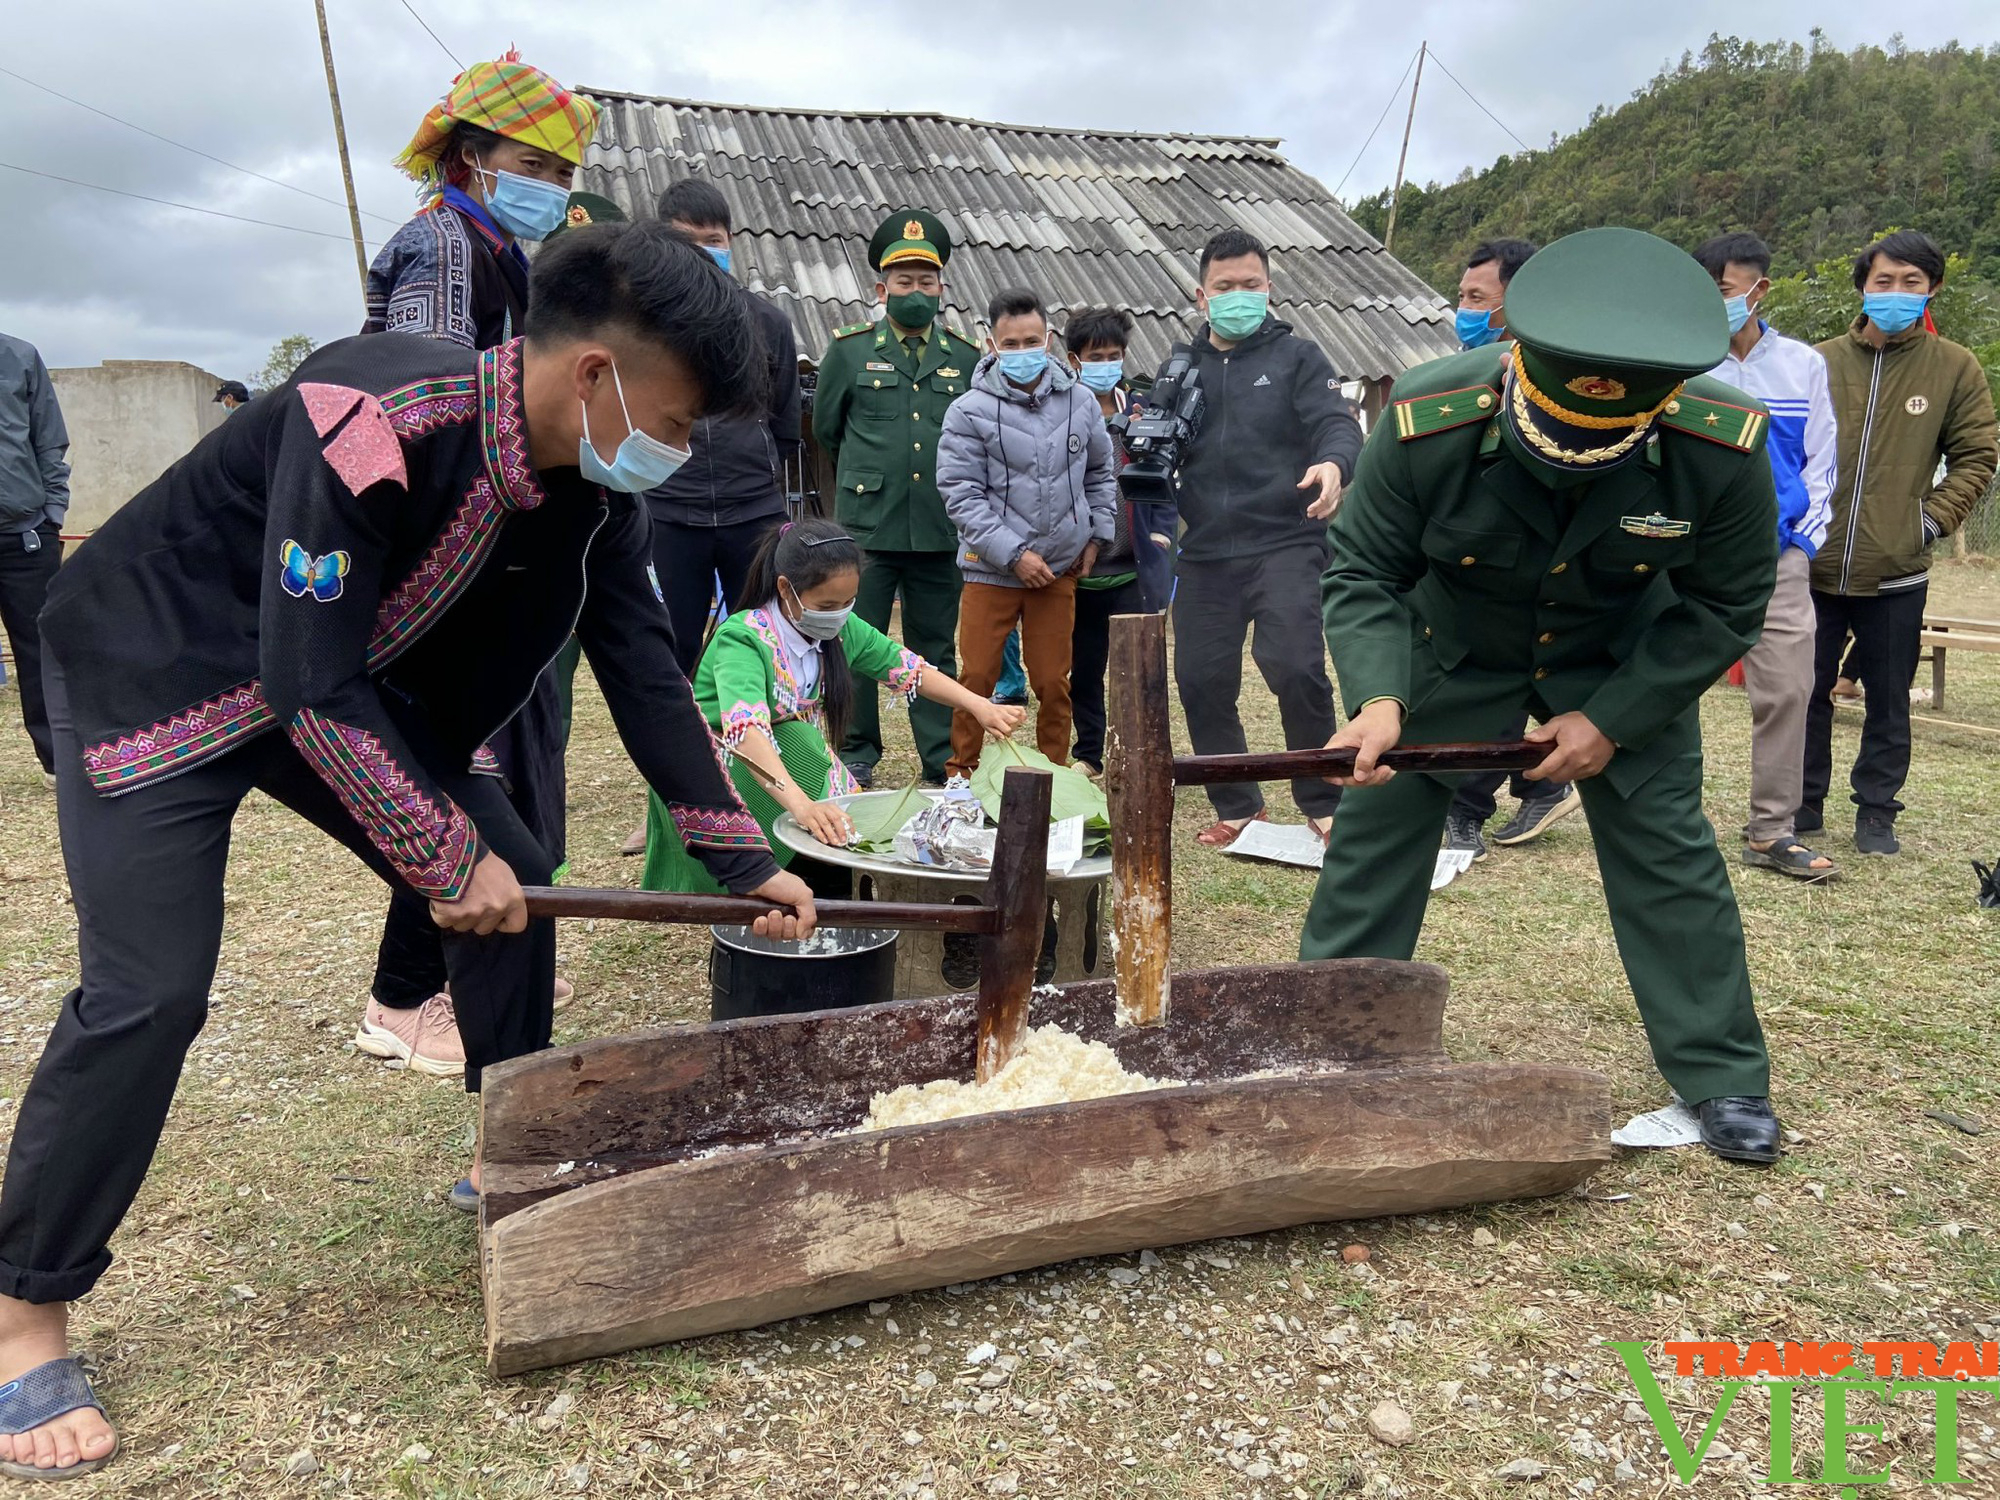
[913,229]
[1597,388]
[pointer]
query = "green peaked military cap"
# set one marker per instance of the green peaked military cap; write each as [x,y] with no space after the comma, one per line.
[587,208]
[1608,324]
[910,234]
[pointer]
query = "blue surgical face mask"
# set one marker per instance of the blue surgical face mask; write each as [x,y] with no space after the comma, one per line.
[526,207]
[1892,312]
[642,462]
[1475,327]
[719,254]
[1101,375]
[1738,309]
[1022,366]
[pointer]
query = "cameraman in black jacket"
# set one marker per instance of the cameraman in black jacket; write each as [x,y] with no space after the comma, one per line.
[710,516]
[1256,488]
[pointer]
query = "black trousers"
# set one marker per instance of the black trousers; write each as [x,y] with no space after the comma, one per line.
[1089,653]
[1888,640]
[688,559]
[1276,596]
[24,587]
[1478,794]
[146,876]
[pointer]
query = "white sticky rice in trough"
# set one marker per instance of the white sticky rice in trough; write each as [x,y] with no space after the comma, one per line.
[1053,1066]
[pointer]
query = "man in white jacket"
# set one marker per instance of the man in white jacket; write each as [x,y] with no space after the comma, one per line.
[1789,377]
[1024,466]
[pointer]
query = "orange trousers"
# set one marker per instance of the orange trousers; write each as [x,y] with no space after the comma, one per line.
[987,615]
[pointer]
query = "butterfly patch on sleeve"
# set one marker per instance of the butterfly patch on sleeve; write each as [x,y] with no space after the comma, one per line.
[301,573]
[366,450]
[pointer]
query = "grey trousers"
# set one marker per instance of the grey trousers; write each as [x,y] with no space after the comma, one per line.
[1778,673]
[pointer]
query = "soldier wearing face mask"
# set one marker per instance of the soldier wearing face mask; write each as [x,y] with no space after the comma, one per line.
[882,393]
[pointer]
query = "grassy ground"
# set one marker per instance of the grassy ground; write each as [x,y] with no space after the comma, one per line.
[291,1282]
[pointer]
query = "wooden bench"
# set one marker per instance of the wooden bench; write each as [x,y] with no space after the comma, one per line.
[1943,633]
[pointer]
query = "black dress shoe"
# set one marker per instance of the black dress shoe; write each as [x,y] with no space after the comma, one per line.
[1740,1128]
[863,774]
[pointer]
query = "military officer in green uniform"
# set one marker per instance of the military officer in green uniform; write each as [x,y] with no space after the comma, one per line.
[882,393]
[1586,530]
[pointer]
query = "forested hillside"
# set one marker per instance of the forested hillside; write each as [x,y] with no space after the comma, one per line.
[1815,149]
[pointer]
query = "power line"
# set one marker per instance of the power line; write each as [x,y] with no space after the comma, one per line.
[433,35]
[214,213]
[1394,95]
[182,146]
[1475,99]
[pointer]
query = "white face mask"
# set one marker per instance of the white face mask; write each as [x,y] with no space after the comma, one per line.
[816,624]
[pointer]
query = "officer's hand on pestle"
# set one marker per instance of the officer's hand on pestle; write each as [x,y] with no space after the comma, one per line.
[491,901]
[786,889]
[1326,477]
[1580,749]
[1370,734]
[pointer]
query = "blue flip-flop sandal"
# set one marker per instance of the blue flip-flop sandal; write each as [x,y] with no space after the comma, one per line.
[41,1395]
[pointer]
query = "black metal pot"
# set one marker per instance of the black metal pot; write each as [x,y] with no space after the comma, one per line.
[834,968]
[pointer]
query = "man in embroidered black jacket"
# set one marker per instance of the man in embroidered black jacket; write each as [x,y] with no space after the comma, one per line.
[334,599]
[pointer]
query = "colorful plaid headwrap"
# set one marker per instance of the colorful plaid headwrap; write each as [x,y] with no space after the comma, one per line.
[509,98]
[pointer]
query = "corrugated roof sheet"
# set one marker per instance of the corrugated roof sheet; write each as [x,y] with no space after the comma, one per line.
[1081,216]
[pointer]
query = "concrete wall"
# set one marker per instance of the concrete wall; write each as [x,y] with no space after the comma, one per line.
[128,420]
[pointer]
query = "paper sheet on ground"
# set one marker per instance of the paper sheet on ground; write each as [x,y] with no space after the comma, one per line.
[1281,843]
[1676,1125]
[1451,863]
[1065,845]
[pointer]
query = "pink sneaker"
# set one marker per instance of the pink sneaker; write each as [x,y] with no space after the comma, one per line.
[426,1038]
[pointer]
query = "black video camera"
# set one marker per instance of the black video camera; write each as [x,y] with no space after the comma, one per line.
[1155,438]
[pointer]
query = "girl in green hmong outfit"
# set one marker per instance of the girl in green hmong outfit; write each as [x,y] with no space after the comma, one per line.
[774,685]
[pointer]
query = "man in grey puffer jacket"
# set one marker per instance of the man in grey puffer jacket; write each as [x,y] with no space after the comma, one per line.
[1024,466]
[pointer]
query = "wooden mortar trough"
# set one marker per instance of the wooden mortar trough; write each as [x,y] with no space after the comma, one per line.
[670,1184]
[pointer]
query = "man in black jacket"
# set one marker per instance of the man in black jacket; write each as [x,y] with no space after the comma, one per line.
[1256,487]
[335,598]
[708,518]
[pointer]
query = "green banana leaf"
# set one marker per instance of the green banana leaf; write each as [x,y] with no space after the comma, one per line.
[1072,794]
[877,819]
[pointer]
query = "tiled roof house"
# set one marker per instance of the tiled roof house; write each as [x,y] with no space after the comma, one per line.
[1082,216]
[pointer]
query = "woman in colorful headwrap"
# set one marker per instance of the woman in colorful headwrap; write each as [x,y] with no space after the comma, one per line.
[774,683]
[495,157]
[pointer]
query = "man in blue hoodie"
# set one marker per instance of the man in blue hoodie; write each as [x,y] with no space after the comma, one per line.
[1790,379]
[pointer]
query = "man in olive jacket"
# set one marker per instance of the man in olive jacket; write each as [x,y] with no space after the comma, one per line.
[880,402]
[1590,532]
[1904,399]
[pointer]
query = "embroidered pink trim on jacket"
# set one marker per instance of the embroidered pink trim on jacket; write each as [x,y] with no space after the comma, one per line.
[428,406]
[431,846]
[727,826]
[740,720]
[178,743]
[504,428]
[907,676]
[415,603]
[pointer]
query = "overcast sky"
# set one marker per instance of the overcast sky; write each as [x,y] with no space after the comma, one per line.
[87,276]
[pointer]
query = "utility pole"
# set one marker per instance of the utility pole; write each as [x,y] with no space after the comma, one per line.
[347,171]
[1388,234]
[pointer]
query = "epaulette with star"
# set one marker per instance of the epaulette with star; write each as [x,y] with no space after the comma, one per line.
[1735,427]
[954,333]
[851,329]
[1420,416]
